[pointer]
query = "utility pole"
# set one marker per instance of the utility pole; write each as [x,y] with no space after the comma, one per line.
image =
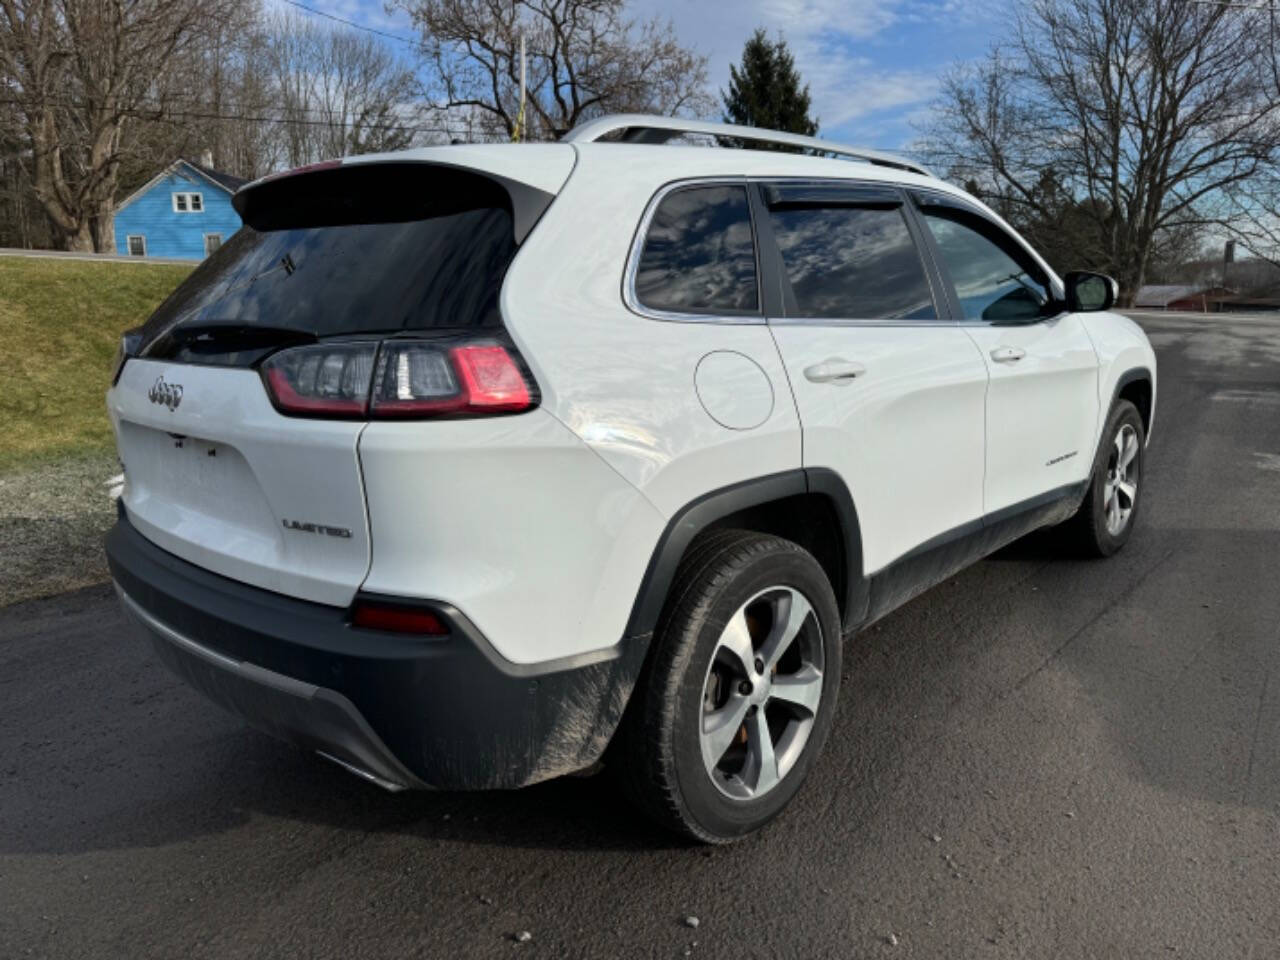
[1228,256]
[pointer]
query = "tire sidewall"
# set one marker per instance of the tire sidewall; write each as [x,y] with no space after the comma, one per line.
[719,816]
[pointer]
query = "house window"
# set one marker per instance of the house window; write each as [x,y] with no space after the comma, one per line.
[188,203]
[212,241]
[137,244]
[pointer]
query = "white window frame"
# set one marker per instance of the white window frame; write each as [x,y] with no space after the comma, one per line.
[128,244]
[190,198]
[207,251]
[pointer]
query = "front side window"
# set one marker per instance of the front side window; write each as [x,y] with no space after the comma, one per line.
[991,283]
[699,254]
[852,262]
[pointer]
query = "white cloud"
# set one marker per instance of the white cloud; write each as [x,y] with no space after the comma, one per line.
[850,52]
[866,80]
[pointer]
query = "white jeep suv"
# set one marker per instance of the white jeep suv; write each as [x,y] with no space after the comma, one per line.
[471,466]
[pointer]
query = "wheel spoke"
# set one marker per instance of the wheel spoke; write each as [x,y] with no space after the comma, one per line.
[1113,512]
[735,645]
[790,614]
[761,771]
[803,688]
[1129,491]
[1128,451]
[1119,445]
[720,728]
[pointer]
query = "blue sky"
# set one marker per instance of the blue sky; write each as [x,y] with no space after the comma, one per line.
[872,65]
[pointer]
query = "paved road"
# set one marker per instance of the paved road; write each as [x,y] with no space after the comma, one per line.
[1094,746]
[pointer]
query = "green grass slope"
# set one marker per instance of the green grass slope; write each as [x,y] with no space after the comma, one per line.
[60,321]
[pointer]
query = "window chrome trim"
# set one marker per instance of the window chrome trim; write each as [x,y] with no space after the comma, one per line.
[632,301]
[856,322]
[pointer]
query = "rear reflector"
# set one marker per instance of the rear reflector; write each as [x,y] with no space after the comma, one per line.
[397,378]
[396,619]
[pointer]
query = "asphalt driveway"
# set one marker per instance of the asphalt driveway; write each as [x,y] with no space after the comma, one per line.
[1040,757]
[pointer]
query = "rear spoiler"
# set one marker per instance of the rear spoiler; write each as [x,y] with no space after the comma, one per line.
[336,193]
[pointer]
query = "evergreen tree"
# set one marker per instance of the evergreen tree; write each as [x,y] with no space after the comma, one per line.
[766,91]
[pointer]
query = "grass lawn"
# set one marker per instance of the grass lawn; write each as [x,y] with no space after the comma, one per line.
[60,321]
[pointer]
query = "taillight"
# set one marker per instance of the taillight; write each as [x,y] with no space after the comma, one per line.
[329,380]
[395,618]
[416,378]
[397,378]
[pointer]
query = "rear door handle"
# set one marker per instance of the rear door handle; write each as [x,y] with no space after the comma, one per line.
[834,370]
[1007,354]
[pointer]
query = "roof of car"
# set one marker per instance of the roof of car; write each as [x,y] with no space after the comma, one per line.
[546,166]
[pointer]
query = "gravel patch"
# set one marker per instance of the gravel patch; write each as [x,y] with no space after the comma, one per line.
[52,520]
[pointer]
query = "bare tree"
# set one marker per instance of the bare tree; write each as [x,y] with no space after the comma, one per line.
[1148,111]
[77,72]
[340,92]
[585,58]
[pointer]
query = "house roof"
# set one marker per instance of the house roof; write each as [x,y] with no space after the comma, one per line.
[224,181]
[228,181]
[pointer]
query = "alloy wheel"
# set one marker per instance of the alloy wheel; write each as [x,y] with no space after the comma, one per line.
[1120,487]
[761,693]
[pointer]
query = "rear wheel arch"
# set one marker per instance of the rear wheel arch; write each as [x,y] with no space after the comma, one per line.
[810,507]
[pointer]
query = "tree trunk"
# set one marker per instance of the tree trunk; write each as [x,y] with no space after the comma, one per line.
[79,239]
[104,228]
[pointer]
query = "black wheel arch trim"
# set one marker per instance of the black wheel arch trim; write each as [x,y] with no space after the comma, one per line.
[700,514]
[1133,375]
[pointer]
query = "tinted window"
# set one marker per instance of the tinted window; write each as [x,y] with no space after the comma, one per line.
[991,283]
[852,263]
[296,271]
[699,255]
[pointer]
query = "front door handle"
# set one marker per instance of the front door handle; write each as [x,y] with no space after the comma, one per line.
[1007,354]
[834,370]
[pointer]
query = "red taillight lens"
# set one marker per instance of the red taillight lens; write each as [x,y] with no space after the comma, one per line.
[398,378]
[397,619]
[491,378]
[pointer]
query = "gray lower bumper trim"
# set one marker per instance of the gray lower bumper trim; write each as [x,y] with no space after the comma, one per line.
[312,717]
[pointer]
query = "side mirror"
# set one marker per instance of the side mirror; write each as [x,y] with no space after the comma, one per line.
[1089,292]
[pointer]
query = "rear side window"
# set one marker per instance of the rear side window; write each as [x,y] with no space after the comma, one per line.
[852,262]
[699,254]
[990,281]
[344,253]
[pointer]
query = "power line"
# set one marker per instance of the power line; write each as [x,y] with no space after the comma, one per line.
[171,115]
[1229,4]
[351,23]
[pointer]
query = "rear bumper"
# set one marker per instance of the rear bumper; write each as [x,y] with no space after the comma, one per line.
[401,711]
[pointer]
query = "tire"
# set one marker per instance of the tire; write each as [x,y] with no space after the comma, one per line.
[1103,525]
[698,694]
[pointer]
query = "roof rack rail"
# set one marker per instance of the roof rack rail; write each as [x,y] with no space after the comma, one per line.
[643,128]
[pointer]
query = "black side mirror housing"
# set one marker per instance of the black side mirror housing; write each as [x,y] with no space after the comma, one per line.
[1090,292]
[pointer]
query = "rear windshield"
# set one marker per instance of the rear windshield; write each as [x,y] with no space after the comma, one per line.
[344,252]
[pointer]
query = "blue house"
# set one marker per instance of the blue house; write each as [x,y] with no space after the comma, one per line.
[183,211]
